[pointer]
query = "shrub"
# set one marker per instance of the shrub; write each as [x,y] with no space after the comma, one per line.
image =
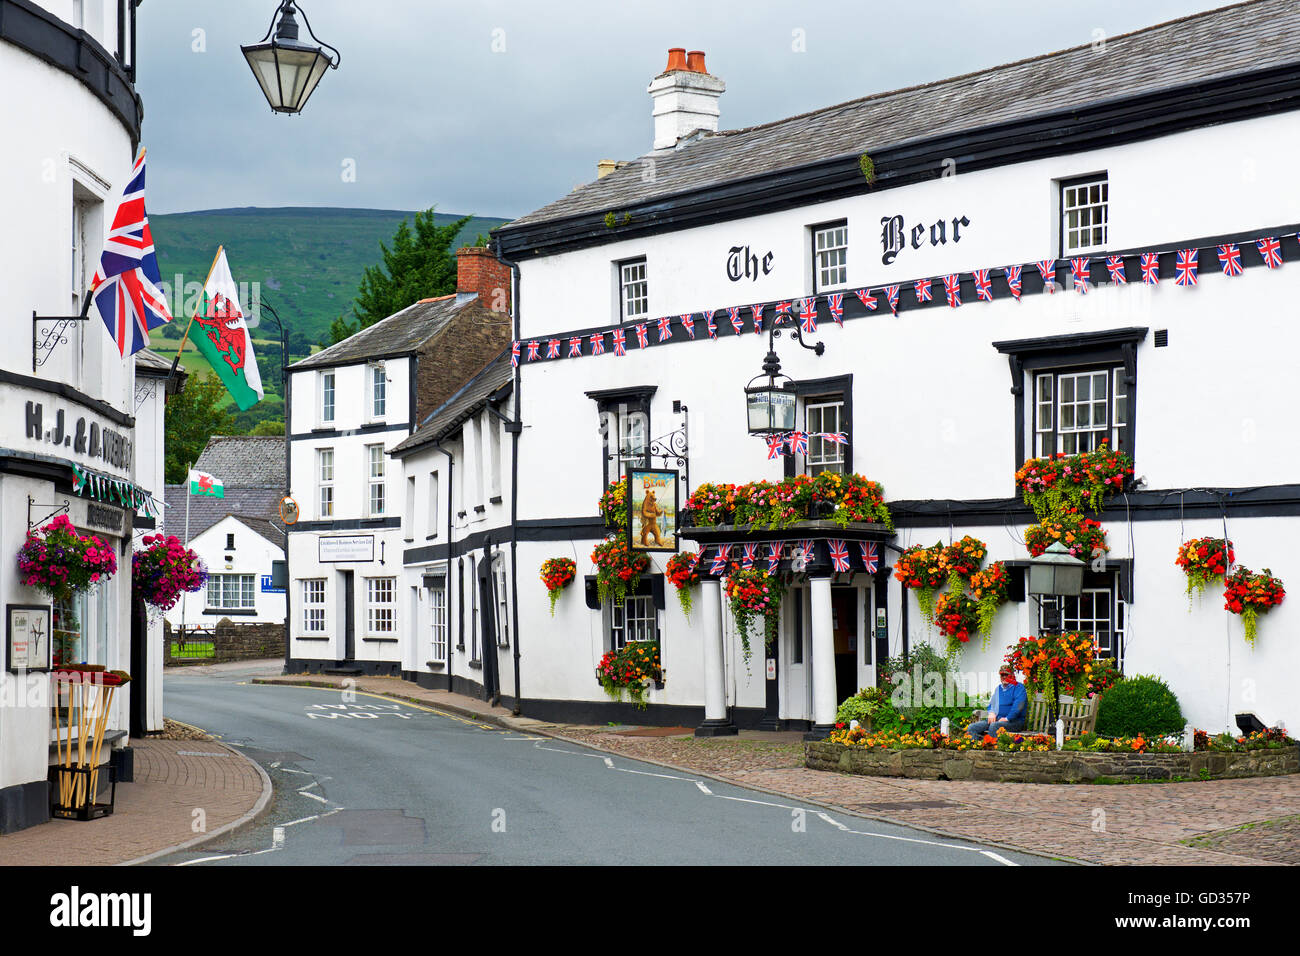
[1139,705]
[862,706]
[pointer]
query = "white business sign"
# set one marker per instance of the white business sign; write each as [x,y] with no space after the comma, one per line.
[353,547]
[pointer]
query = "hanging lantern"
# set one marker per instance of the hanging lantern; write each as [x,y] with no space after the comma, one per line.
[770,404]
[1056,571]
[287,68]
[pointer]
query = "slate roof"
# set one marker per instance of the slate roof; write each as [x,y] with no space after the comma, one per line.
[149,361]
[272,531]
[400,333]
[471,397]
[243,501]
[1242,38]
[244,461]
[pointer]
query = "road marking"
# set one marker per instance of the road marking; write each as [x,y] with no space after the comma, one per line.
[277,838]
[313,796]
[314,783]
[703,788]
[609,762]
[645,773]
[207,859]
[305,773]
[275,765]
[1001,859]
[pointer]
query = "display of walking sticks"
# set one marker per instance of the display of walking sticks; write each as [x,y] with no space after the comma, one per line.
[90,698]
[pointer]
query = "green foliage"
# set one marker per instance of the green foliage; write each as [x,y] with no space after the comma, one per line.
[420,263]
[610,221]
[340,330]
[863,706]
[1139,705]
[868,167]
[921,690]
[192,417]
[269,426]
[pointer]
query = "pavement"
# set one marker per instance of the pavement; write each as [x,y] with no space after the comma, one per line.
[189,791]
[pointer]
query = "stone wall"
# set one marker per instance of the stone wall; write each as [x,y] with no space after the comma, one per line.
[231,642]
[1049,767]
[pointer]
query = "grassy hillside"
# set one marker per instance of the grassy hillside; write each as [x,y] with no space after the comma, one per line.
[308,262]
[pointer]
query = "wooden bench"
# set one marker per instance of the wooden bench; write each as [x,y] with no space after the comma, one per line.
[1080,717]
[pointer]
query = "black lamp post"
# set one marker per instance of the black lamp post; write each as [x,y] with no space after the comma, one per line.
[287,68]
[284,394]
[770,404]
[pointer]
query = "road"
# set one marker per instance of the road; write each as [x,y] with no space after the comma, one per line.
[367,780]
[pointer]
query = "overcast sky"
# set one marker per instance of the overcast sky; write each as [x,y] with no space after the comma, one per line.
[496,108]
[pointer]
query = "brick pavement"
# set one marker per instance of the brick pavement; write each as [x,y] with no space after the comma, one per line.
[155,812]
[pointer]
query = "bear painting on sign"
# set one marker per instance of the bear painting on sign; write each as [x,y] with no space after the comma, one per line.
[652,510]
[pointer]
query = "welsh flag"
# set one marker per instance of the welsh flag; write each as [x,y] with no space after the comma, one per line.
[222,336]
[206,486]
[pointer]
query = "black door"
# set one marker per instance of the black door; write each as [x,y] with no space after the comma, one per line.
[139,667]
[487,628]
[349,619]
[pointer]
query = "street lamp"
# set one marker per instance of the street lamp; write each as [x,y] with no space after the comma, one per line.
[1058,573]
[770,405]
[286,68]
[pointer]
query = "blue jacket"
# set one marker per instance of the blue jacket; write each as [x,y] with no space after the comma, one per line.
[1009,702]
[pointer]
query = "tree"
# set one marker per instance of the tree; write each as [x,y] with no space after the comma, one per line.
[192,417]
[340,330]
[269,426]
[420,264]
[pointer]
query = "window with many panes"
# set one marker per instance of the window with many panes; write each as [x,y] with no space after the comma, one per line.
[327,398]
[824,416]
[1084,215]
[636,619]
[230,592]
[624,429]
[1098,610]
[1076,410]
[375,479]
[380,607]
[325,482]
[378,391]
[830,256]
[438,618]
[313,606]
[633,291]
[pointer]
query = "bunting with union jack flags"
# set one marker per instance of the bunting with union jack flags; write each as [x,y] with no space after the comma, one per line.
[775,446]
[125,285]
[642,336]
[808,315]
[720,559]
[809,548]
[983,287]
[799,443]
[867,299]
[1014,280]
[1185,267]
[952,289]
[1230,259]
[839,554]
[514,354]
[708,322]
[1270,250]
[1115,266]
[665,329]
[891,296]
[756,312]
[782,311]
[922,287]
[532,351]
[835,302]
[733,313]
[575,347]
[870,556]
[553,348]
[688,323]
[748,556]
[1150,263]
[773,557]
[1047,269]
[620,342]
[1079,269]
[598,343]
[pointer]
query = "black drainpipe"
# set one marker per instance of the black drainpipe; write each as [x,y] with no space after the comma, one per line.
[515,428]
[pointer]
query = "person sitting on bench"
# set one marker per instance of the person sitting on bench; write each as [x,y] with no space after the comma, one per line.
[1006,707]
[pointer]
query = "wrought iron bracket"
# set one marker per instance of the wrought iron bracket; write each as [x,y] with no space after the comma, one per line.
[62,509]
[45,338]
[795,331]
[145,389]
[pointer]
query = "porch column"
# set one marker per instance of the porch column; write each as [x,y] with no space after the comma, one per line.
[823,658]
[716,723]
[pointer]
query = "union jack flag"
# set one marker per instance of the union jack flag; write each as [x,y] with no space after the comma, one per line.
[775,446]
[835,302]
[514,354]
[836,438]
[720,559]
[642,337]
[868,300]
[708,322]
[532,351]
[1185,267]
[620,342]
[782,309]
[922,287]
[688,323]
[952,289]
[1230,257]
[1014,280]
[748,556]
[891,296]
[983,287]
[870,556]
[757,312]
[773,557]
[1047,269]
[553,348]
[598,343]
[808,314]
[733,313]
[809,549]
[125,286]
[839,554]
[1079,268]
[1150,268]
[799,443]
[665,329]
[695,557]
[1115,266]
[575,347]
[1270,251]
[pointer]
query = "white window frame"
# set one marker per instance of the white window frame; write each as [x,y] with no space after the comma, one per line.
[1072,619]
[245,584]
[377,391]
[633,290]
[375,481]
[313,605]
[439,628]
[830,256]
[823,455]
[502,601]
[434,502]
[1085,208]
[325,482]
[1050,430]
[635,621]
[381,607]
[328,406]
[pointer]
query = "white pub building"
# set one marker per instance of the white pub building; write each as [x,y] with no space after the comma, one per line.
[1083,246]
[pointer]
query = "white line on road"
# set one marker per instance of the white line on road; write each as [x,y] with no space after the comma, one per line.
[313,796]
[1001,859]
[314,783]
[609,762]
[703,788]
[277,838]
[646,773]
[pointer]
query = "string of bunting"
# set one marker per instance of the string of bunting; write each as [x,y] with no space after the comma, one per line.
[1183,265]
[748,555]
[796,443]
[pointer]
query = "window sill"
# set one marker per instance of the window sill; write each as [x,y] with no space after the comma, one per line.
[494,500]
[435,665]
[311,638]
[379,640]
[231,612]
[430,537]
[324,427]
[480,509]
[477,665]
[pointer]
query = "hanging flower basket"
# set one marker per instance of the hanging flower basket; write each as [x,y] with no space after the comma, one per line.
[989,588]
[683,570]
[780,504]
[557,574]
[1083,537]
[57,560]
[754,593]
[956,616]
[1057,662]
[710,505]
[1073,482]
[631,670]
[164,569]
[1205,561]
[613,505]
[1250,595]
[618,571]
[919,569]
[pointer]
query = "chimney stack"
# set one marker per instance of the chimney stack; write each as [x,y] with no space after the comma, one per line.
[479,272]
[685,98]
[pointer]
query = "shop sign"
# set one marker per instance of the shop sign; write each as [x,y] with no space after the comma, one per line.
[743,264]
[268,587]
[354,547]
[28,636]
[896,235]
[104,517]
[91,484]
[83,436]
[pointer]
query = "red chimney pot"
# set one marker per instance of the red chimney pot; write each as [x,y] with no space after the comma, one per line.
[676,59]
[695,61]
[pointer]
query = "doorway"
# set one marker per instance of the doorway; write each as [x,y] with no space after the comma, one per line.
[349,618]
[846,602]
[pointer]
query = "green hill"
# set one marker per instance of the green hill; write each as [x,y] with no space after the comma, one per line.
[308,262]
